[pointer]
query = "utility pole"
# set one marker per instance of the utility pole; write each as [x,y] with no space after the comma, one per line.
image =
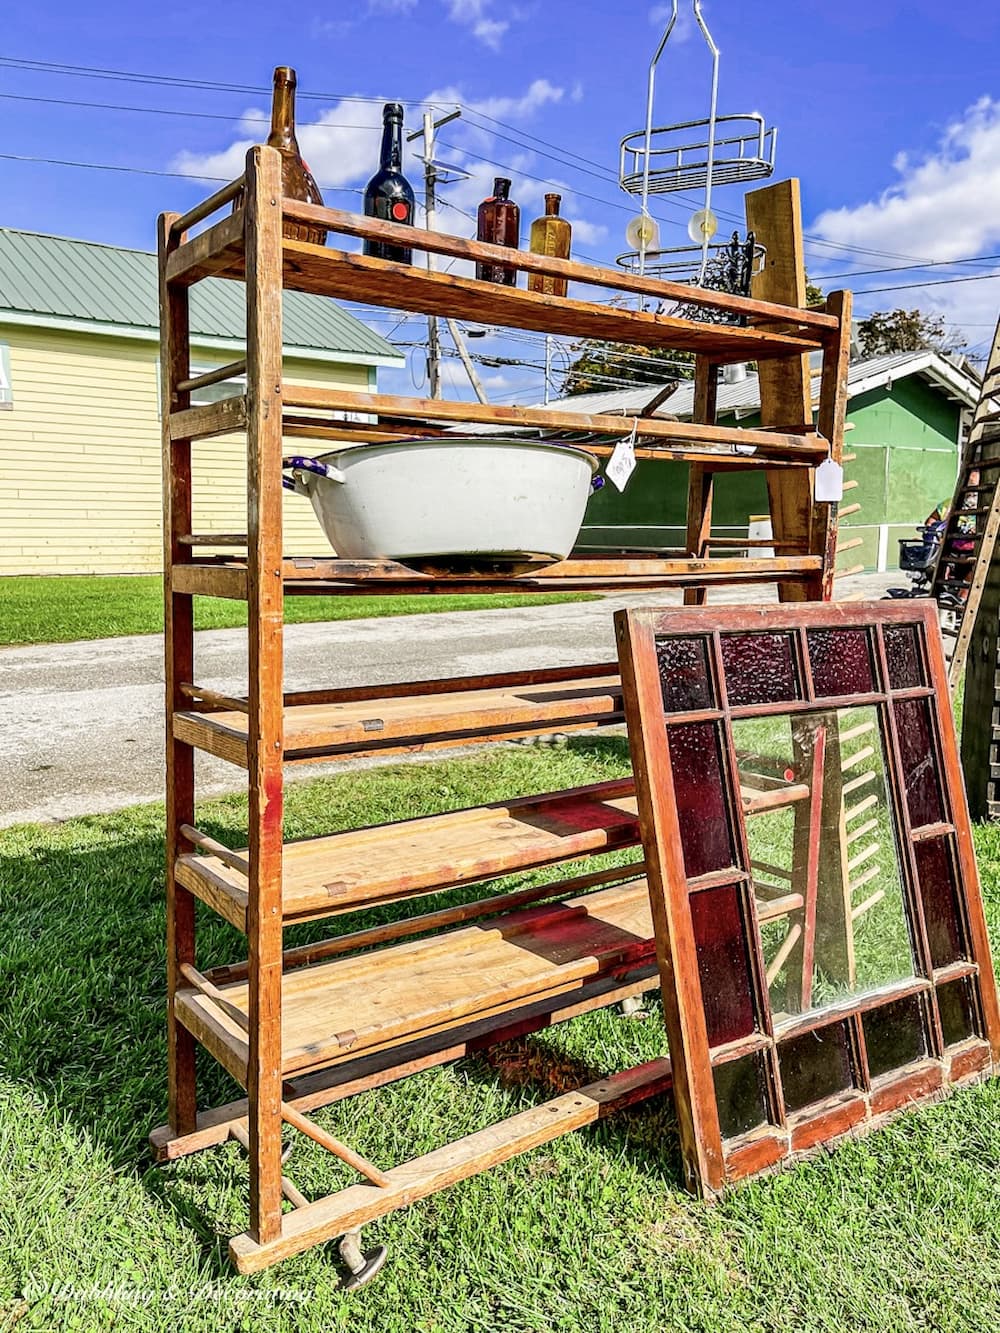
[548,366]
[430,125]
[433,174]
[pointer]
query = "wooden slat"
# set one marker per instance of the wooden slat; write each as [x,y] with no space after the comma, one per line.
[359,1204]
[198,423]
[213,252]
[353,224]
[339,1008]
[344,871]
[210,580]
[680,433]
[354,277]
[323,730]
[205,207]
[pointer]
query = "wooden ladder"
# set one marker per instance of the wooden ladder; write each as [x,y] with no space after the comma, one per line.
[960,577]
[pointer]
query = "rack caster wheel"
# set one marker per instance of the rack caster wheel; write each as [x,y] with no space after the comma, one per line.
[361,1265]
[632,1006]
[286,1150]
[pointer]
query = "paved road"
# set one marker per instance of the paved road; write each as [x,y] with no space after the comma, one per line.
[81,725]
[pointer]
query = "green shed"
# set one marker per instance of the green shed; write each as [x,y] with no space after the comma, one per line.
[907,414]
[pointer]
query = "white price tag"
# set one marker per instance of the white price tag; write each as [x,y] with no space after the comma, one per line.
[829,481]
[621,464]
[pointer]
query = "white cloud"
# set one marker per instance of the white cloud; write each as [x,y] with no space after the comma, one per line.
[943,205]
[476,16]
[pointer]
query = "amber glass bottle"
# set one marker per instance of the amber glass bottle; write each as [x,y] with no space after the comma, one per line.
[550,236]
[499,223]
[296,179]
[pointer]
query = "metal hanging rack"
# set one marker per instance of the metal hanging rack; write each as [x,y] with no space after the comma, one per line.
[689,156]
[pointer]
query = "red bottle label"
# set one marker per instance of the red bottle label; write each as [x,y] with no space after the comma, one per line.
[400,212]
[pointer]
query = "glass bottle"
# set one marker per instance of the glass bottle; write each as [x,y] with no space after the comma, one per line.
[388,195]
[499,223]
[550,236]
[297,180]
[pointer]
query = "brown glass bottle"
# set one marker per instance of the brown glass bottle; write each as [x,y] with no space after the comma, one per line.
[296,179]
[550,236]
[499,223]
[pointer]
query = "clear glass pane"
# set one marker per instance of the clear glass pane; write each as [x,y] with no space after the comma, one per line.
[815,1066]
[824,855]
[685,678]
[760,668]
[696,764]
[841,661]
[740,1093]
[723,964]
[902,655]
[895,1035]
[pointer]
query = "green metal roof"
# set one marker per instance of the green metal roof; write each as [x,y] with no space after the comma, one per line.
[52,278]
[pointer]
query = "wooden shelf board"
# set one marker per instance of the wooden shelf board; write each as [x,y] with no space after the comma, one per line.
[344,871]
[327,729]
[336,1010]
[324,271]
[615,279]
[656,433]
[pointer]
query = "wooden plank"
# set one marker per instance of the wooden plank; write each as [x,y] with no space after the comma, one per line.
[684,434]
[353,224]
[355,277]
[178,653]
[359,1204]
[198,423]
[343,871]
[336,1082]
[831,419]
[774,215]
[700,479]
[210,581]
[341,1007]
[683,1011]
[214,251]
[264,638]
[323,730]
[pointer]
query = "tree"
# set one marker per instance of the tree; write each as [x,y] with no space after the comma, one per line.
[600,366]
[888,331]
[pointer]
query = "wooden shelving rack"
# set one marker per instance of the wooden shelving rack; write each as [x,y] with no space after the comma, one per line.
[300,1028]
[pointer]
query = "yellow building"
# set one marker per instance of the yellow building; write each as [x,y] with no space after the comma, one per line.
[79,403]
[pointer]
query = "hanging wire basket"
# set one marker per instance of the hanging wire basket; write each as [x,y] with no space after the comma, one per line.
[680,157]
[729,268]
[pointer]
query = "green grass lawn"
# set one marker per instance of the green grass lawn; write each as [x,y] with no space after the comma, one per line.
[69,607]
[899,1230]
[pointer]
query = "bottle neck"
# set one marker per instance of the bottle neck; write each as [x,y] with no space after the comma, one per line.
[552,202]
[501,188]
[283,115]
[391,157]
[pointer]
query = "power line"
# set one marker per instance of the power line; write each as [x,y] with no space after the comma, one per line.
[187,115]
[174,81]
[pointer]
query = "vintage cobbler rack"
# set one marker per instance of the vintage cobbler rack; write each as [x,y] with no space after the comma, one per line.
[822,947]
[298,1028]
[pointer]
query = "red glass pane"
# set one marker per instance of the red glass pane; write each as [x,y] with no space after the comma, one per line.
[957,1007]
[841,661]
[685,678]
[815,1066]
[895,1035]
[939,894]
[723,964]
[760,668]
[706,838]
[740,1095]
[916,754]
[902,655]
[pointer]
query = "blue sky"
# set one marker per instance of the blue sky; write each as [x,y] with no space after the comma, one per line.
[888,112]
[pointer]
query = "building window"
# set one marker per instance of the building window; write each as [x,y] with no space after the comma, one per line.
[6,388]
